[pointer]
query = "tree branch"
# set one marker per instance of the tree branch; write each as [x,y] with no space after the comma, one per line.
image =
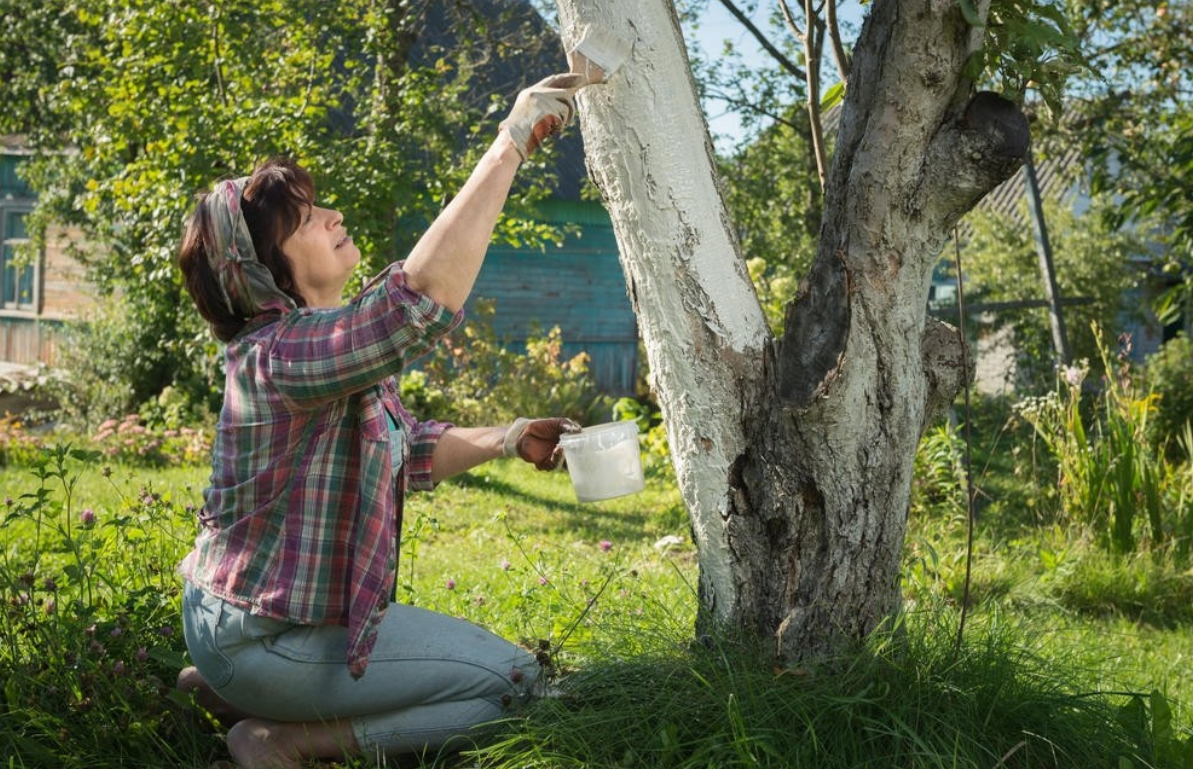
[973,155]
[834,34]
[784,62]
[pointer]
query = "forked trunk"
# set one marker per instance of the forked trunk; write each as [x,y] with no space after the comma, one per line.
[794,457]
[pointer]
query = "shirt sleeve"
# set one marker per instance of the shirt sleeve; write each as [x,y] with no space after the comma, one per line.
[316,356]
[423,438]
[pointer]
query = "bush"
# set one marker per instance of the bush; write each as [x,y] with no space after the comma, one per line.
[475,379]
[1110,479]
[1170,376]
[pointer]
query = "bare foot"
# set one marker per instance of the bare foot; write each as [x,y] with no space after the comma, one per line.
[259,744]
[191,682]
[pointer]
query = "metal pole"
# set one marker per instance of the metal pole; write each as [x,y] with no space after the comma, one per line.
[1060,342]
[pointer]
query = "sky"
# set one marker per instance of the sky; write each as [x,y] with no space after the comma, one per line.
[719,25]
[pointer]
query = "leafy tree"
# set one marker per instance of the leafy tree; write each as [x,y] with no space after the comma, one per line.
[136,105]
[1094,262]
[1134,124]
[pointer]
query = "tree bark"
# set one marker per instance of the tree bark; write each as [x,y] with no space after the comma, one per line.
[795,456]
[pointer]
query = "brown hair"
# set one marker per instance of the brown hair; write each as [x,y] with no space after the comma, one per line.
[274,202]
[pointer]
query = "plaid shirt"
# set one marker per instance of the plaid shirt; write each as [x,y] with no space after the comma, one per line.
[301,520]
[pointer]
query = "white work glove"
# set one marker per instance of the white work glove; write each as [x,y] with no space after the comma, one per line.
[537,440]
[541,110]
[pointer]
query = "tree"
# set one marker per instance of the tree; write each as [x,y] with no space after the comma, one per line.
[133,107]
[794,454]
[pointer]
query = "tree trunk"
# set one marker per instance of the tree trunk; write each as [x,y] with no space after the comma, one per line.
[795,456]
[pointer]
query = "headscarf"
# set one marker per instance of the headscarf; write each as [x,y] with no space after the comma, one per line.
[246,285]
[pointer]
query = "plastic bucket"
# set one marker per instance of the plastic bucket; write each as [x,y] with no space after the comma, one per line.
[604,460]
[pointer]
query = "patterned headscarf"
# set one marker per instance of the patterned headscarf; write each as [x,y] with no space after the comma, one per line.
[247,285]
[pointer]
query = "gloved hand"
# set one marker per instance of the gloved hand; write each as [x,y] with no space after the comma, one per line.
[537,440]
[541,110]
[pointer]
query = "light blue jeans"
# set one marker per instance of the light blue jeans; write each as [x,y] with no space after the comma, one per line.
[432,680]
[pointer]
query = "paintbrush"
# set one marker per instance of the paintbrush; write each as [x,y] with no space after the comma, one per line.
[597,54]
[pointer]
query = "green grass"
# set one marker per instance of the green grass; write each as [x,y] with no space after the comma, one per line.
[1062,653]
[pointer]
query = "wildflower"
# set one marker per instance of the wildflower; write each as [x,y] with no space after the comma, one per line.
[542,580]
[450,584]
[516,675]
[116,632]
[118,667]
[1073,375]
[505,564]
[166,630]
[50,585]
[87,516]
[142,654]
[606,545]
[50,606]
[8,501]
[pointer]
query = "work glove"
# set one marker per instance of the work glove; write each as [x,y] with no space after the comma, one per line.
[537,440]
[541,110]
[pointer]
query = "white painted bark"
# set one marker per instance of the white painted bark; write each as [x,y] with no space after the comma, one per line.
[650,154]
[795,460]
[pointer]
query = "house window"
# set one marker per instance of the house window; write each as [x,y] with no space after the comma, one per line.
[18,272]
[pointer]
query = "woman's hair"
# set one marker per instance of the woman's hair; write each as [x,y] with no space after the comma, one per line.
[274,202]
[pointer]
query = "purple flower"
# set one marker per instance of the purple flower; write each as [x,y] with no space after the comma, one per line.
[142,654]
[117,632]
[606,545]
[87,516]
[505,564]
[542,580]
[450,584]
[118,667]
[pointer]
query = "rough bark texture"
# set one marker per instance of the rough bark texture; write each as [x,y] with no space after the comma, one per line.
[795,457]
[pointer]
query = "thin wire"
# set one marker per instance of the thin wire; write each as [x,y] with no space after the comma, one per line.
[969,488]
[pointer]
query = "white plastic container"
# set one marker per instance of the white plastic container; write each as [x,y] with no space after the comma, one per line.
[604,460]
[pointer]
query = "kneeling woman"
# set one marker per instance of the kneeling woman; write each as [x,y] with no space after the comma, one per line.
[287,607]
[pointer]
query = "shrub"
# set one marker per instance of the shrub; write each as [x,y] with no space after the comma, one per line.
[91,636]
[1110,479]
[1170,376]
[474,379]
[652,434]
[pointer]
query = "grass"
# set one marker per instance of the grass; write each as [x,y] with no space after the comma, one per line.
[1062,654]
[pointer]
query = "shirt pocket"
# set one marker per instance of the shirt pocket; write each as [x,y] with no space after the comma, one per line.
[383,435]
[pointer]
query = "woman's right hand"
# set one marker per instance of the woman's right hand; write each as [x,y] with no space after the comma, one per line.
[537,440]
[541,110]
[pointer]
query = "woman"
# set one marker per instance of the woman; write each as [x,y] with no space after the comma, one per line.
[287,607]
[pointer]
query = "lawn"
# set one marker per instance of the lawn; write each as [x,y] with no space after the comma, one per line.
[89,641]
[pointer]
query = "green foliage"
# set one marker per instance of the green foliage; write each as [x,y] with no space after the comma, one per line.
[1169,374]
[909,698]
[474,378]
[776,216]
[1110,479]
[938,475]
[1026,44]
[153,440]
[91,637]
[652,435]
[1132,125]
[1092,262]
[133,107]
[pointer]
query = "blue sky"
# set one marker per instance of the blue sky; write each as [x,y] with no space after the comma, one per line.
[719,25]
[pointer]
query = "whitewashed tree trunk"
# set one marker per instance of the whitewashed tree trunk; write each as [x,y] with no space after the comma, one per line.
[794,456]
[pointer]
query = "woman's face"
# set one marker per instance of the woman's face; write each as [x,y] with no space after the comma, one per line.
[322,256]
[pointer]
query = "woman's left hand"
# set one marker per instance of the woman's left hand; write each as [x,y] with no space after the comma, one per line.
[537,440]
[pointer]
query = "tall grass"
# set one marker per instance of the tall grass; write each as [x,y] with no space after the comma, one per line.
[1073,657]
[907,698]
